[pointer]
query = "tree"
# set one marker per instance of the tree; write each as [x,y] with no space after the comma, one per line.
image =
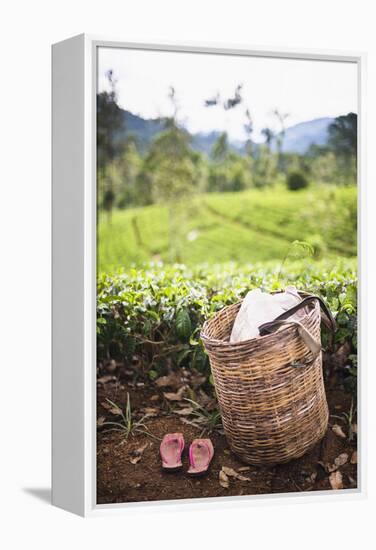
[280,136]
[220,148]
[109,121]
[264,161]
[171,168]
[343,141]
[268,135]
[172,164]
[343,135]
[127,167]
[231,174]
[248,128]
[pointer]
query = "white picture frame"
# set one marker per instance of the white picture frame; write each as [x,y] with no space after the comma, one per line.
[74,273]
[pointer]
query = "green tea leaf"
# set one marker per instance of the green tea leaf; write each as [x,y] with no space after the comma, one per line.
[183,324]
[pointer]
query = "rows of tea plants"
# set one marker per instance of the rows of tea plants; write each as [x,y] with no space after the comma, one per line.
[152,316]
[249,226]
[324,212]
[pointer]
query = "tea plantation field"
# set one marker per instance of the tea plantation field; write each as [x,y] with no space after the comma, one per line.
[249,226]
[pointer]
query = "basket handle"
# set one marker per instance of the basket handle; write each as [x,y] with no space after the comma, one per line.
[311,343]
[326,317]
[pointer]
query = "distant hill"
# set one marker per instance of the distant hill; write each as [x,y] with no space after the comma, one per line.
[145,130]
[298,138]
[204,142]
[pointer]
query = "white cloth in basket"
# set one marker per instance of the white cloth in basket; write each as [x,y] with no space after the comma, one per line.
[259,308]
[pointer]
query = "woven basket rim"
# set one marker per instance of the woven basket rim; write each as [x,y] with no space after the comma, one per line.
[224,344]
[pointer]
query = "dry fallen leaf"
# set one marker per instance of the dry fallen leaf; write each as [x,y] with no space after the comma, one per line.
[178,396]
[354,458]
[184,412]
[113,409]
[341,459]
[197,380]
[204,399]
[232,473]
[149,411]
[101,420]
[243,478]
[223,480]
[244,469]
[137,454]
[171,380]
[154,397]
[338,431]
[116,411]
[354,428]
[229,471]
[141,449]
[105,379]
[335,480]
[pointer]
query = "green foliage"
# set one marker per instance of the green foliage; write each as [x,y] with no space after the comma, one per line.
[171,164]
[343,135]
[156,313]
[330,168]
[232,173]
[169,169]
[265,167]
[296,181]
[319,247]
[109,120]
[220,148]
[183,324]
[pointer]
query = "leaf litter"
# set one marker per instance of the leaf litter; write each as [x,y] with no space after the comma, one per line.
[335,480]
[226,473]
[338,431]
[137,454]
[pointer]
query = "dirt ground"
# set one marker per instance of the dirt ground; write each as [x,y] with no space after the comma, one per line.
[129,470]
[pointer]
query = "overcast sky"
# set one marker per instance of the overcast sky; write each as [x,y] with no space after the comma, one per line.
[303,89]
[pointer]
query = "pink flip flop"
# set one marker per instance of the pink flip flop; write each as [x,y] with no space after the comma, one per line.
[201,452]
[171,449]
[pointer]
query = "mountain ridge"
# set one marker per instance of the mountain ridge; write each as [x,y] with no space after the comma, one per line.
[298,137]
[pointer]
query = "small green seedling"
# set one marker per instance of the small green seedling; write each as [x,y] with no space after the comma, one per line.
[127,426]
[349,419]
[208,421]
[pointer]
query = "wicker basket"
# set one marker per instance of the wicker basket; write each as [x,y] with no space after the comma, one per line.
[270,389]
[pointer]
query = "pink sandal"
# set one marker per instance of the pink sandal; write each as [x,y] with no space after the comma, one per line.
[171,449]
[201,453]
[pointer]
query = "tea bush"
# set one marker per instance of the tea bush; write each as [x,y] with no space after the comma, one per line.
[296,181]
[153,316]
